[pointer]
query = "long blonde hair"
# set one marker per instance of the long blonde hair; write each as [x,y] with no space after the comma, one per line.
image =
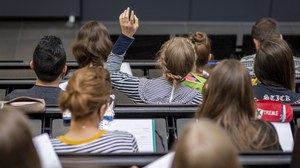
[176,58]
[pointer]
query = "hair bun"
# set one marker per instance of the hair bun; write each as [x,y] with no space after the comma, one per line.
[198,37]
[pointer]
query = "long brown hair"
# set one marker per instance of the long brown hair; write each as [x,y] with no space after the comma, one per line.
[16,146]
[88,89]
[274,64]
[229,100]
[92,45]
[202,48]
[198,147]
[176,58]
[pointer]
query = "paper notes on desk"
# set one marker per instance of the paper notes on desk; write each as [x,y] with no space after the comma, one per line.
[142,129]
[285,135]
[46,152]
[165,161]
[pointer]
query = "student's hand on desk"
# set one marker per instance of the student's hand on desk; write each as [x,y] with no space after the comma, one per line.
[129,22]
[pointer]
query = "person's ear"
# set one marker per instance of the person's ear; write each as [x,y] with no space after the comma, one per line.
[209,57]
[281,37]
[256,43]
[64,70]
[31,64]
[102,110]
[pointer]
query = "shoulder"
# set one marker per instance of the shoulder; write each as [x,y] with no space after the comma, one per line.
[16,93]
[120,141]
[296,59]
[248,58]
[266,134]
[118,134]
[264,128]
[297,63]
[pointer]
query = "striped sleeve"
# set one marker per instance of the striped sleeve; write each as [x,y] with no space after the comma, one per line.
[127,84]
[198,99]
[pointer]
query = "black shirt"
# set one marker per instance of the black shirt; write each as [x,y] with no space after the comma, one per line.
[264,92]
[49,93]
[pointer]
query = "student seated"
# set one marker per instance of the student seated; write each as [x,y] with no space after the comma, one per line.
[229,101]
[275,71]
[198,148]
[197,78]
[86,97]
[16,146]
[263,29]
[176,58]
[49,65]
[92,46]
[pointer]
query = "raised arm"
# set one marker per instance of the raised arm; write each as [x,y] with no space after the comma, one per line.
[125,83]
[129,24]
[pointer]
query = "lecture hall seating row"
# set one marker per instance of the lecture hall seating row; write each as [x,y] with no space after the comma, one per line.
[169,113]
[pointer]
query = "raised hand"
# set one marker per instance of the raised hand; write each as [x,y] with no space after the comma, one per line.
[129,22]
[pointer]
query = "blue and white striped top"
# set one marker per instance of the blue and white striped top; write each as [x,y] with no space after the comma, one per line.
[142,90]
[104,142]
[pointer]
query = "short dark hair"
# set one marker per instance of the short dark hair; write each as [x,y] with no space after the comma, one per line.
[49,58]
[265,28]
[274,64]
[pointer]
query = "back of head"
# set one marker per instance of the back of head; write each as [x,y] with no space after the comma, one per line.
[265,28]
[229,100]
[92,45]
[177,58]
[274,64]
[16,146]
[202,47]
[88,89]
[49,58]
[229,94]
[199,148]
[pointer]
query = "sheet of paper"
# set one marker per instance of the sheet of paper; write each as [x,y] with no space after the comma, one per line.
[165,161]
[142,129]
[46,152]
[125,67]
[285,135]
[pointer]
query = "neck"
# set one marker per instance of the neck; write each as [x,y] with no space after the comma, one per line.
[197,70]
[83,124]
[82,129]
[41,83]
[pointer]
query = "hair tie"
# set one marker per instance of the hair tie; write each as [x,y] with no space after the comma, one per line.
[175,77]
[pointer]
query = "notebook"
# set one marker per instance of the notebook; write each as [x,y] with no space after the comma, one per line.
[142,129]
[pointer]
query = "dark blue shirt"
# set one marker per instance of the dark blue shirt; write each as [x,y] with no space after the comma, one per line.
[264,92]
[49,93]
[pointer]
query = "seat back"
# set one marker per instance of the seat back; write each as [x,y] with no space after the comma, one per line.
[181,123]
[36,126]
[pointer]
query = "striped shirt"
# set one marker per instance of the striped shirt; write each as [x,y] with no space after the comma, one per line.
[154,91]
[142,90]
[104,142]
[248,62]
